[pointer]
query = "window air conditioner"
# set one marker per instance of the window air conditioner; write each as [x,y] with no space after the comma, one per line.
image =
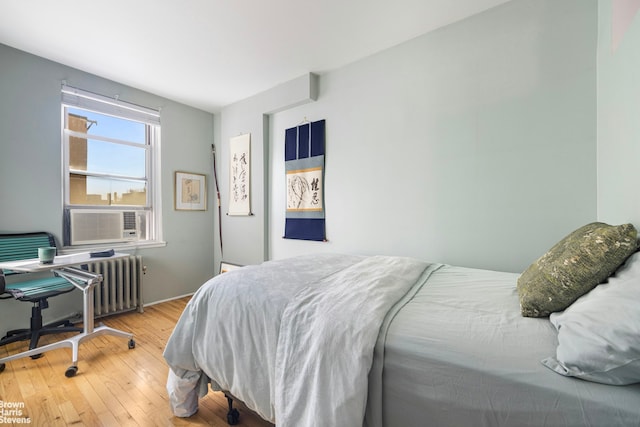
[102,226]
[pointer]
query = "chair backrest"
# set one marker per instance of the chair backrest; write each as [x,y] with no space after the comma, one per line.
[14,247]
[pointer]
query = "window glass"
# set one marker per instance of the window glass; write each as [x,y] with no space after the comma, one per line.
[100,191]
[97,124]
[111,170]
[110,158]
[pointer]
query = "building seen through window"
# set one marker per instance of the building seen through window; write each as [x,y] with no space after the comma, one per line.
[103,171]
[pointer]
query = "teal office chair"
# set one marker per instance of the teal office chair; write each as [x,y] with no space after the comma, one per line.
[15,247]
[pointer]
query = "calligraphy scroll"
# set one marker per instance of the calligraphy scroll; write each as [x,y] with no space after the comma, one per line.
[240,175]
[304,167]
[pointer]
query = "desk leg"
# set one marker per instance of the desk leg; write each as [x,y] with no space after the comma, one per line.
[73,343]
[89,331]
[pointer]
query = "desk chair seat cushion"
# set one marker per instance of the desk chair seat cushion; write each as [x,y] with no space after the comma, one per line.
[37,289]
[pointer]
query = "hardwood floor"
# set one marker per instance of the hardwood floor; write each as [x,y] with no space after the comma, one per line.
[114,386]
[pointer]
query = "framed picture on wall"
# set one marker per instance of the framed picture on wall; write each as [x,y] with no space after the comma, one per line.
[190,192]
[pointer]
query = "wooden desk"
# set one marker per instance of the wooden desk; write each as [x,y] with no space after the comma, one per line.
[66,266]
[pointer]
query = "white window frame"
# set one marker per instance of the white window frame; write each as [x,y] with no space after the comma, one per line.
[81,99]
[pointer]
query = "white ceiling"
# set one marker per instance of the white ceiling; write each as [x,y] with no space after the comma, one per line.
[210,53]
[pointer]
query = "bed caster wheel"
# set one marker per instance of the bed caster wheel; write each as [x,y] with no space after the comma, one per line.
[232,417]
[2,366]
[36,356]
[71,371]
[132,344]
[233,414]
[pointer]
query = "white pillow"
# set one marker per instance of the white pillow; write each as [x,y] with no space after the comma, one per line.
[599,334]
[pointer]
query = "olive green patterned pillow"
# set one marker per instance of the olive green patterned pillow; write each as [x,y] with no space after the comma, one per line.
[574,266]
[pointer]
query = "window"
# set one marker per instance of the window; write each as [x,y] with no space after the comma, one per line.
[110,153]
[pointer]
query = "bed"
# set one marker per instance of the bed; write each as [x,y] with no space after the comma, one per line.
[346,340]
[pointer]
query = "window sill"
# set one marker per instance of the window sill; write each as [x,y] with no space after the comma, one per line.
[119,246]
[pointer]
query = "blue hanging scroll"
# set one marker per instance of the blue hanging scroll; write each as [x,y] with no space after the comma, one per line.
[304,166]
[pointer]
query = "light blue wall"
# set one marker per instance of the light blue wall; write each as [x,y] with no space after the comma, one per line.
[245,238]
[618,120]
[31,183]
[473,145]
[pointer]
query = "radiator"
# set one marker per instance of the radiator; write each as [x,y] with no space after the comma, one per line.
[121,287]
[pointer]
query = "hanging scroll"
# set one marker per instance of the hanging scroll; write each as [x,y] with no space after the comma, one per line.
[240,175]
[304,166]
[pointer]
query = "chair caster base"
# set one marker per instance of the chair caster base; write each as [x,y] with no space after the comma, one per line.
[71,371]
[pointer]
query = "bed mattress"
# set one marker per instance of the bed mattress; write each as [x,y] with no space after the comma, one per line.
[460,353]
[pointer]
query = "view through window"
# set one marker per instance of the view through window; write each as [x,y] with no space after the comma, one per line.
[107,159]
